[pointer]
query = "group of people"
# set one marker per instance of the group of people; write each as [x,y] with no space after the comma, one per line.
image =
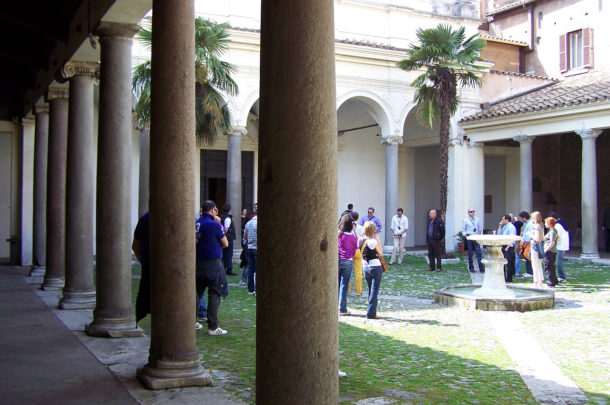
[543,250]
[214,260]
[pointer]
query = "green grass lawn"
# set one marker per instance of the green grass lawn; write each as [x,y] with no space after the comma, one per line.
[423,353]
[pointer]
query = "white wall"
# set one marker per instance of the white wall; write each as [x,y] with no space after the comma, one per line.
[494,184]
[427,183]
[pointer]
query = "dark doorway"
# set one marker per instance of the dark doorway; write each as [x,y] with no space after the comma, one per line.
[214,177]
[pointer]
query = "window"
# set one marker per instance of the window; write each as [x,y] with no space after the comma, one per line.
[576,50]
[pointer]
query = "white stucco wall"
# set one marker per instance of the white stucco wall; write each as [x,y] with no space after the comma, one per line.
[495,172]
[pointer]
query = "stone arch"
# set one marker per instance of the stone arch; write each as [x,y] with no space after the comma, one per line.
[378,108]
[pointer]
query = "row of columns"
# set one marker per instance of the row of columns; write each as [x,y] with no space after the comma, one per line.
[588,186]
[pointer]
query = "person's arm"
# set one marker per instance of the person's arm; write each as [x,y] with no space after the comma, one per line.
[226,224]
[224,242]
[393,227]
[136,246]
[379,226]
[464,224]
[378,246]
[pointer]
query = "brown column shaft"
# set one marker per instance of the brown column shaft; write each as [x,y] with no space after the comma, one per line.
[297,356]
[174,357]
[56,189]
[79,292]
[113,314]
[144,171]
[41,142]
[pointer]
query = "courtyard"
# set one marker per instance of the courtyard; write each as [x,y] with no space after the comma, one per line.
[418,352]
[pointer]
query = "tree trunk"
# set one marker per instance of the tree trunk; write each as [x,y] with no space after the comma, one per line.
[444,162]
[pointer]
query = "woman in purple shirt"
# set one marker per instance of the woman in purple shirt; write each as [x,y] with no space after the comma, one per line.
[347,247]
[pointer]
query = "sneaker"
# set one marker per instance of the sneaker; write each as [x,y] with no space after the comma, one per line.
[438,270]
[562,280]
[527,275]
[471,270]
[201,318]
[399,263]
[342,374]
[242,282]
[346,313]
[217,332]
[198,326]
[391,263]
[251,292]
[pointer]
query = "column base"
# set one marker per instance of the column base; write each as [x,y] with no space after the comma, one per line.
[37,271]
[77,300]
[174,374]
[53,284]
[589,256]
[113,327]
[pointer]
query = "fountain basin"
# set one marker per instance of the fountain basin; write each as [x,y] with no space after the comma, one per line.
[521,299]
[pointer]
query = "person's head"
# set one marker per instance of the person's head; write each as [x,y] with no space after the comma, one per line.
[371,211]
[350,207]
[244,212]
[550,222]
[255,207]
[536,217]
[226,208]
[209,207]
[506,219]
[355,215]
[399,212]
[369,229]
[432,214]
[346,224]
[524,215]
[554,215]
[471,212]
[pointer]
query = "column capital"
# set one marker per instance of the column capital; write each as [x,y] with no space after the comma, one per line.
[524,138]
[57,92]
[74,68]
[590,133]
[239,131]
[392,140]
[455,141]
[41,109]
[115,29]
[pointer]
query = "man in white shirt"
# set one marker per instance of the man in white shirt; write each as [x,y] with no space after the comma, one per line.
[472,226]
[400,224]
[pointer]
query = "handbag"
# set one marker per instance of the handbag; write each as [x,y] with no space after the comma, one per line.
[540,249]
[525,250]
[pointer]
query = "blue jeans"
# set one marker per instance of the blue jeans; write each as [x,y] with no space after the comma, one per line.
[252,253]
[345,273]
[473,246]
[517,262]
[373,279]
[202,310]
[559,263]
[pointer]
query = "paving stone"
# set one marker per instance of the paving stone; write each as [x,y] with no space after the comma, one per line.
[401,394]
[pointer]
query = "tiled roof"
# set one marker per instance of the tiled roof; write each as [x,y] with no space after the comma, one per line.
[516,74]
[491,38]
[589,88]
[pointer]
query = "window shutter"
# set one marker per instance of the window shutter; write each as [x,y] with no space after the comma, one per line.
[563,55]
[587,47]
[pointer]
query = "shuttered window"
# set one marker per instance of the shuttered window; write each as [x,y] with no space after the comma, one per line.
[576,50]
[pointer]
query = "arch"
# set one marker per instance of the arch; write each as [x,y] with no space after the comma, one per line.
[240,113]
[378,108]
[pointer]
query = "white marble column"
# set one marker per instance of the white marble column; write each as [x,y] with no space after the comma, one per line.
[234,179]
[41,143]
[525,150]
[56,189]
[589,193]
[79,292]
[113,315]
[391,185]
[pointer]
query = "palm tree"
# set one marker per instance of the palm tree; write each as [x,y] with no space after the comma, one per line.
[449,60]
[212,76]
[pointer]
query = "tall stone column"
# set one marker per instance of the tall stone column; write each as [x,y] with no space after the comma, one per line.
[56,189]
[234,185]
[525,150]
[79,292]
[297,177]
[589,193]
[391,184]
[174,358]
[113,315]
[476,182]
[41,143]
[144,171]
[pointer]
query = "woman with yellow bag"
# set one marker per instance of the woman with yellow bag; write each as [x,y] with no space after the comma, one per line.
[357,230]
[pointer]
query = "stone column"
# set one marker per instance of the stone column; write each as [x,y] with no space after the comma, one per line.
[144,171]
[27,191]
[113,315]
[41,143]
[589,193]
[525,166]
[174,358]
[297,177]
[79,292]
[56,188]
[391,184]
[234,185]
[476,183]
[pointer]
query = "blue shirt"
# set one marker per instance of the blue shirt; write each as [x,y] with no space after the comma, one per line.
[471,226]
[525,231]
[250,231]
[509,229]
[208,233]
[373,219]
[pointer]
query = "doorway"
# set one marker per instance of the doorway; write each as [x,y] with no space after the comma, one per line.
[214,177]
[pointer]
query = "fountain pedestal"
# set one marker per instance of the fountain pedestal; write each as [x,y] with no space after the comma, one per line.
[494,294]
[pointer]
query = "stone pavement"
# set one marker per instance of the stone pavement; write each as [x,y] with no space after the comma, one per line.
[47,358]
